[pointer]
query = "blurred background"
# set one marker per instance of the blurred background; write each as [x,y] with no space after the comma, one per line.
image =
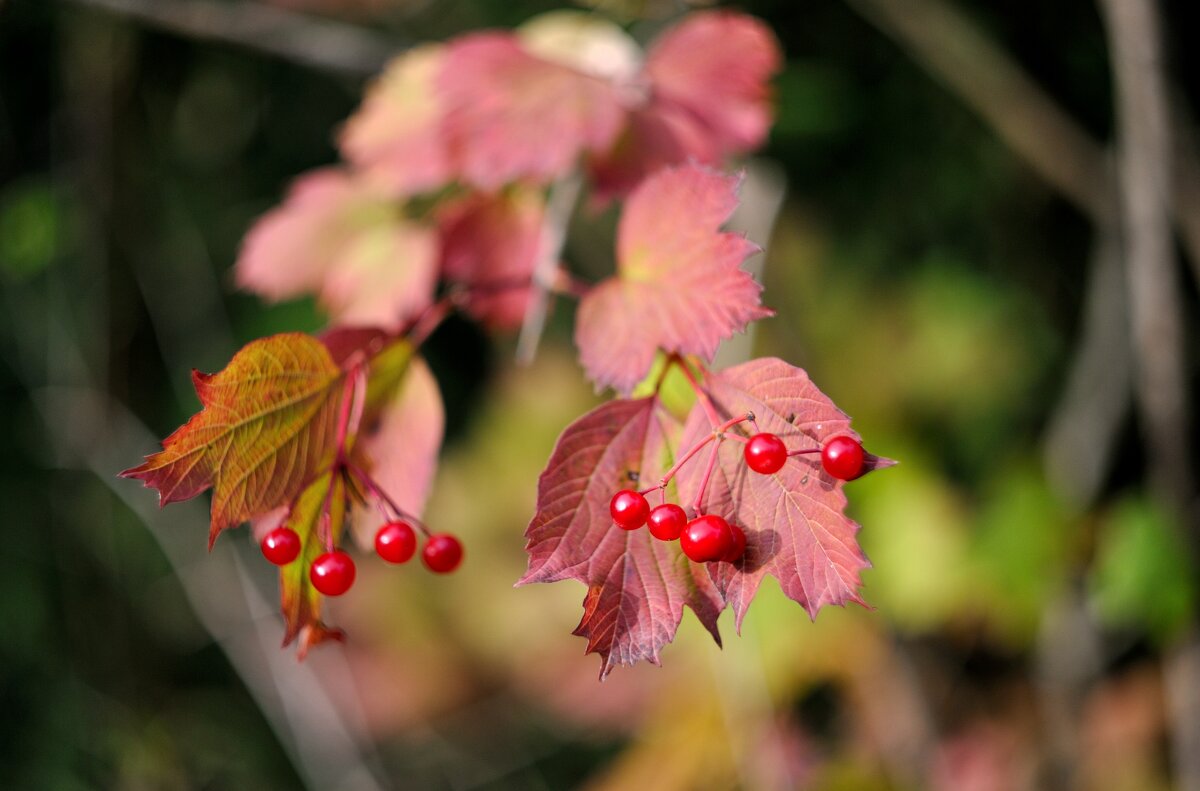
[976,257]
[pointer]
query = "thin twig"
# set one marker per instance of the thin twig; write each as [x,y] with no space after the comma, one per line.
[559,207]
[320,43]
[1156,322]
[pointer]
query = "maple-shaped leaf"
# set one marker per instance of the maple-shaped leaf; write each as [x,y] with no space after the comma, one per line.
[795,521]
[679,285]
[637,585]
[318,516]
[715,66]
[267,427]
[396,138]
[490,244]
[512,115]
[342,239]
[656,136]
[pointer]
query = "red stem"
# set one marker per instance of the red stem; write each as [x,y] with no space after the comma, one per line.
[708,471]
[374,490]
[705,401]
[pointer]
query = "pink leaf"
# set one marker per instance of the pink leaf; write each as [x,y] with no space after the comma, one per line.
[657,135]
[795,522]
[715,65]
[679,284]
[344,241]
[491,243]
[637,585]
[515,116]
[395,138]
[403,447]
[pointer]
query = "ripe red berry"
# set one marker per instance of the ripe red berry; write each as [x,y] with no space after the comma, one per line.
[842,457]
[442,553]
[739,544]
[281,546]
[666,521]
[706,538]
[332,573]
[765,453]
[629,509]
[396,542]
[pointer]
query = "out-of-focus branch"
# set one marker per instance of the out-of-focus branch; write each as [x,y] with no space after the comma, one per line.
[1156,320]
[959,55]
[320,43]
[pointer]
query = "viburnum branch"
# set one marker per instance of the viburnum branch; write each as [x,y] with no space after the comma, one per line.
[718,434]
[360,476]
[701,396]
[559,208]
[708,471]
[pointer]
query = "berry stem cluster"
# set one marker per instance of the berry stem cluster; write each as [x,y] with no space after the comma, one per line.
[709,537]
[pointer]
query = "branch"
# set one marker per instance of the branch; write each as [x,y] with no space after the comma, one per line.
[1156,319]
[320,43]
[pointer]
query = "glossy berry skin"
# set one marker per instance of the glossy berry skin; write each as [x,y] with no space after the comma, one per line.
[442,553]
[842,457]
[666,521]
[706,538]
[281,546]
[332,573]
[396,542]
[629,509]
[739,545]
[765,453]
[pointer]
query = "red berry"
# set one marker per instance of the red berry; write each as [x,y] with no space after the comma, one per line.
[442,553]
[842,457]
[396,542]
[629,509]
[666,521]
[765,453]
[332,573]
[281,546]
[739,545]
[706,538]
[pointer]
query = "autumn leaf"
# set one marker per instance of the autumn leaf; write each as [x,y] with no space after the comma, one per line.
[795,522]
[637,586]
[679,284]
[512,115]
[318,516]
[342,239]
[396,138]
[714,66]
[267,427]
[490,245]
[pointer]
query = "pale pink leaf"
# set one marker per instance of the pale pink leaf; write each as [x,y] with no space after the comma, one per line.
[491,243]
[403,447]
[514,116]
[395,138]
[679,285]
[795,522]
[715,65]
[637,585]
[342,239]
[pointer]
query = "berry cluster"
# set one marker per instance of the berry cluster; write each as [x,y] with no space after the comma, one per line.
[707,537]
[332,573]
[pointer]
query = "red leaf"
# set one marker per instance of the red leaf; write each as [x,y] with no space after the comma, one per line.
[715,66]
[637,585]
[268,425]
[511,115]
[657,135]
[490,243]
[795,522]
[679,284]
[396,138]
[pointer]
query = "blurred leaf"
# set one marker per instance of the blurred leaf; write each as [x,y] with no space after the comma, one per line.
[33,223]
[1141,577]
